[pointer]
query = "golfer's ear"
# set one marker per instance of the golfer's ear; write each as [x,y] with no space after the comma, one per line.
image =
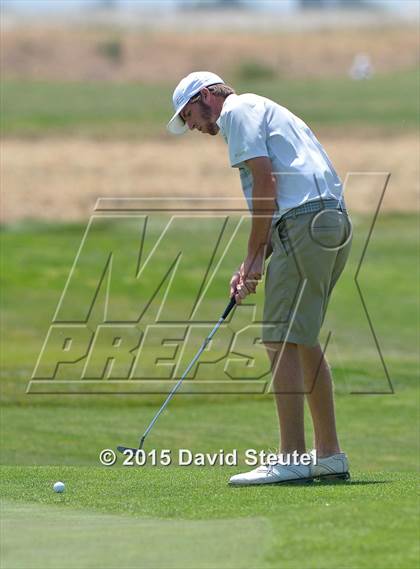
[204,94]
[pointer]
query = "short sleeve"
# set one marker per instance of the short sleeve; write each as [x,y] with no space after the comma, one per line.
[245,132]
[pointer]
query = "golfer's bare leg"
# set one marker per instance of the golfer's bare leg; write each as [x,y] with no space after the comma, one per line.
[319,393]
[289,393]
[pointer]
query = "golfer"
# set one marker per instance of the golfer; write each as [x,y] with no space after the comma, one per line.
[300,223]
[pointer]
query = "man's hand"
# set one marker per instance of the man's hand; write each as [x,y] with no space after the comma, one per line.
[234,282]
[245,280]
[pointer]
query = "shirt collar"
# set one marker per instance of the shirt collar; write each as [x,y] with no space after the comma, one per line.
[224,109]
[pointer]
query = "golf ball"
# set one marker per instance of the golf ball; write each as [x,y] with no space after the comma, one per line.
[59,487]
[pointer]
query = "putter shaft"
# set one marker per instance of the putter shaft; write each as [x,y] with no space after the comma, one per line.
[190,365]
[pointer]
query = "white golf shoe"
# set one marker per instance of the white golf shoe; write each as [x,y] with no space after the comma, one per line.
[335,467]
[273,474]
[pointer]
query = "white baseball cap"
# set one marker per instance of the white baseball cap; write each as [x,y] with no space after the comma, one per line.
[187,88]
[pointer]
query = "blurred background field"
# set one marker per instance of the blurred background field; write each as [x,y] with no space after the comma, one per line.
[85,95]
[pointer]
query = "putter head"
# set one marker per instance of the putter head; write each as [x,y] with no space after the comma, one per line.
[133,450]
[123,449]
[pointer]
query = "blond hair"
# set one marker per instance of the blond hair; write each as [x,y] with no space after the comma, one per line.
[218,90]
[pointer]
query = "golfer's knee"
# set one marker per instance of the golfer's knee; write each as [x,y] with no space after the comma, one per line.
[314,362]
[311,353]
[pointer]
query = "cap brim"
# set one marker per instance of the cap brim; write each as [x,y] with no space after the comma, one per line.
[176,125]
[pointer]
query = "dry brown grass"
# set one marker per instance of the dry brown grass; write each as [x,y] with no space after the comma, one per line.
[75,54]
[61,179]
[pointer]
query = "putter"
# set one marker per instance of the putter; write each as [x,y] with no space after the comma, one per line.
[175,388]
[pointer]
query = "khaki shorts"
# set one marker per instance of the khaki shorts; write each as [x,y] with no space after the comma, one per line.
[309,254]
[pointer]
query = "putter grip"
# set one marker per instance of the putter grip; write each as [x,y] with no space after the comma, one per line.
[229,307]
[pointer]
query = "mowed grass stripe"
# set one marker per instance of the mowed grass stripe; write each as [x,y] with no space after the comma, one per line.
[136,109]
[48,537]
[37,260]
[74,433]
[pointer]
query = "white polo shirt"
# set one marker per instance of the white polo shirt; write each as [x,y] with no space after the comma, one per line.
[255,126]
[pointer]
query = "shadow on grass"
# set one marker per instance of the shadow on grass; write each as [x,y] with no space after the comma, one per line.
[350,482]
[315,484]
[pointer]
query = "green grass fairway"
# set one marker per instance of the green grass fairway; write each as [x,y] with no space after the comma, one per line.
[179,517]
[38,108]
[187,517]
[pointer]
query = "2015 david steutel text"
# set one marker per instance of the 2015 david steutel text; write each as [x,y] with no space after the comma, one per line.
[186,457]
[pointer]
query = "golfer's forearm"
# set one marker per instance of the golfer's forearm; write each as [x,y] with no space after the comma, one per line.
[264,206]
[259,236]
